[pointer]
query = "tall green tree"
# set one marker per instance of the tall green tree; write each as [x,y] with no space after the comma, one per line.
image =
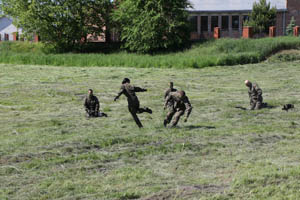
[147,26]
[262,17]
[290,26]
[1,12]
[65,23]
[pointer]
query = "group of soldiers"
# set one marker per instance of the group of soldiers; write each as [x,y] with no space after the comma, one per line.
[176,102]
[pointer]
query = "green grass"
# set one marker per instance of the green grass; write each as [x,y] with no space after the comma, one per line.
[210,53]
[49,150]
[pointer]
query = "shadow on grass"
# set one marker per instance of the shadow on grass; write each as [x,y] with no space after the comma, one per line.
[240,107]
[191,127]
[265,106]
[268,106]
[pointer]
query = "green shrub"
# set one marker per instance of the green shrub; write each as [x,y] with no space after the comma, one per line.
[290,26]
[209,53]
[26,47]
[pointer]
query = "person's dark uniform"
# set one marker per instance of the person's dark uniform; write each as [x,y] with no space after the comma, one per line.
[255,95]
[181,104]
[133,101]
[92,105]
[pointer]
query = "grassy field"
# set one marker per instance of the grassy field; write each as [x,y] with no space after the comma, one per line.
[223,52]
[49,150]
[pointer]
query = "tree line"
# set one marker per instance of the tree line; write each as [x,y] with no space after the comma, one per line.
[143,26]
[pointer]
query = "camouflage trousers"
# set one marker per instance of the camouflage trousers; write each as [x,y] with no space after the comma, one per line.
[93,113]
[174,114]
[256,104]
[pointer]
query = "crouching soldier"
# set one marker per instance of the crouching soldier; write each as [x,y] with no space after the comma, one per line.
[133,102]
[255,95]
[92,105]
[180,104]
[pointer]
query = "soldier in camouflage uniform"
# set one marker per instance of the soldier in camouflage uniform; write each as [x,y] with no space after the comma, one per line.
[133,102]
[91,104]
[180,104]
[255,95]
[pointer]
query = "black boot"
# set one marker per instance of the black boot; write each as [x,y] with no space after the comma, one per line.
[148,110]
[165,123]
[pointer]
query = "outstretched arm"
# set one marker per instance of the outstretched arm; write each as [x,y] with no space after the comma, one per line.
[120,93]
[138,89]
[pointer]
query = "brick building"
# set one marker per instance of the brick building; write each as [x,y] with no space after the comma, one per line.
[229,15]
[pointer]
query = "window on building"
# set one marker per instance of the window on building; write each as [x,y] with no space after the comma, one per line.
[214,22]
[194,23]
[6,37]
[225,23]
[204,23]
[235,22]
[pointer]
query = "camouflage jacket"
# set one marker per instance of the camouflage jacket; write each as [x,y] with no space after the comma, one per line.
[255,93]
[179,103]
[91,103]
[168,91]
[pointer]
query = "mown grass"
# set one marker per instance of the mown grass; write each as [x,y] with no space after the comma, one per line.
[211,53]
[49,150]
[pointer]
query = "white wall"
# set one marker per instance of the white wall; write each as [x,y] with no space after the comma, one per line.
[9,30]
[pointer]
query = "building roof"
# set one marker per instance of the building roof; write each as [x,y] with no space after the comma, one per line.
[4,22]
[231,5]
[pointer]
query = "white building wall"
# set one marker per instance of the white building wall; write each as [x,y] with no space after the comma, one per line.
[10,30]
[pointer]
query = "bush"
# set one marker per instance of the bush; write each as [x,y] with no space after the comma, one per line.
[26,47]
[210,53]
[290,27]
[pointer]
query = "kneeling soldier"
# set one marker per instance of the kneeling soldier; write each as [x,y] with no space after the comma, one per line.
[92,106]
[255,95]
[181,104]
